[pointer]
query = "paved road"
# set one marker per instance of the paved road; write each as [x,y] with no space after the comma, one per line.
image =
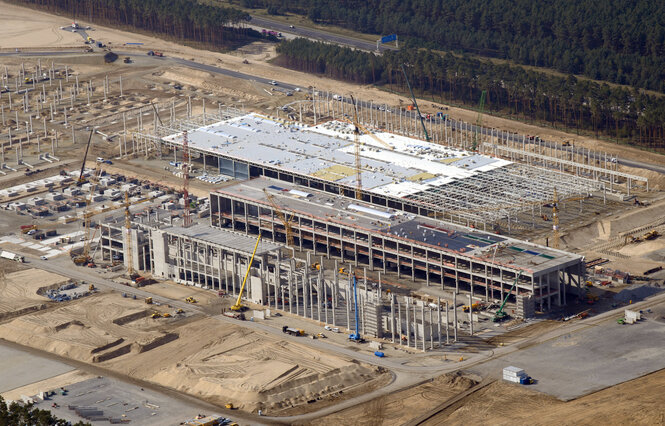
[317,34]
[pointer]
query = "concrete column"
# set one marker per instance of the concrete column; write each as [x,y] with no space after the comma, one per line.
[471,315]
[399,320]
[422,316]
[311,296]
[447,324]
[455,316]
[431,330]
[305,295]
[290,281]
[325,301]
[392,316]
[318,298]
[438,310]
[408,320]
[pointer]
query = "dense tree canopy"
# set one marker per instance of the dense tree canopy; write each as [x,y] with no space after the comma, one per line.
[620,41]
[181,19]
[561,101]
[26,415]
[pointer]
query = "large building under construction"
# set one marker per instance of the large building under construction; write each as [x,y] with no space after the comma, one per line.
[413,247]
[397,172]
[400,219]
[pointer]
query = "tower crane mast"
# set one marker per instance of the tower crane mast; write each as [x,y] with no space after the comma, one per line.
[128,230]
[282,218]
[186,219]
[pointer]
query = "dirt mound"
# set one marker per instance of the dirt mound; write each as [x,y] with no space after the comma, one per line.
[94,329]
[636,292]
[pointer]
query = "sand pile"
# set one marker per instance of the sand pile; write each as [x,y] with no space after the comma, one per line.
[227,363]
[93,329]
[636,292]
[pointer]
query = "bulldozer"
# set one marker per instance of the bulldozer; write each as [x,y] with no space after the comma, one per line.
[651,235]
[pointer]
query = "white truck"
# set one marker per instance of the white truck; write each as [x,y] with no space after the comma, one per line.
[12,256]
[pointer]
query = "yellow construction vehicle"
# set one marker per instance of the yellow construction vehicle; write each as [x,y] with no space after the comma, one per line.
[91,287]
[148,300]
[155,315]
[166,315]
[316,266]
[476,306]
[228,406]
[190,299]
[651,235]
[238,306]
[179,311]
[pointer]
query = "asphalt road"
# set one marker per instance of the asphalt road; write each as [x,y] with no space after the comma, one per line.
[316,34]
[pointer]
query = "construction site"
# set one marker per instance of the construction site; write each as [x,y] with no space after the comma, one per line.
[291,249]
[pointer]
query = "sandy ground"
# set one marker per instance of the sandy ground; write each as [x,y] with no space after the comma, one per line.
[400,407]
[18,291]
[213,361]
[638,401]
[22,27]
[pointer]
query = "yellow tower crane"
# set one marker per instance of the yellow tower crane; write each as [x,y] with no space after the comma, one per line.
[128,229]
[282,217]
[238,306]
[84,257]
[356,140]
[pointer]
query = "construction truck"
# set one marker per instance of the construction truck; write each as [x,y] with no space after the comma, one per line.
[293,331]
[27,228]
[12,256]
[91,287]
[235,315]
[148,300]
[190,299]
[155,315]
[477,306]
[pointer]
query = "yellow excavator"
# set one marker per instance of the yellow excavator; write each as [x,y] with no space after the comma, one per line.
[238,306]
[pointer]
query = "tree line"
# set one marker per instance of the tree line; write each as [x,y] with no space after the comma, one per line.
[220,27]
[619,41]
[567,102]
[18,414]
